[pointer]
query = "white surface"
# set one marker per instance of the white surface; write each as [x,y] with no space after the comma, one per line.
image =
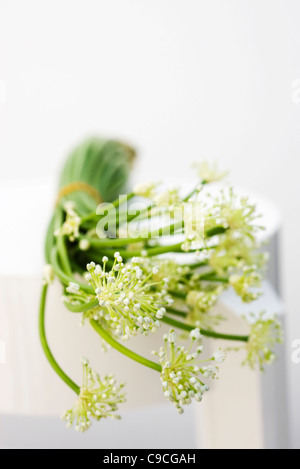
[182,80]
[26,206]
[157,427]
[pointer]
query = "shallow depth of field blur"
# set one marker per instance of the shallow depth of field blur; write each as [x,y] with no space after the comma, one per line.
[183,81]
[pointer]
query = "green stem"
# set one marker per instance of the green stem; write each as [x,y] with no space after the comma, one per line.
[166,230]
[119,201]
[126,254]
[214,335]
[177,294]
[216,231]
[213,278]
[61,242]
[176,312]
[63,277]
[125,351]
[45,345]
[82,307]
[194,191]
[116,203]
[196,265]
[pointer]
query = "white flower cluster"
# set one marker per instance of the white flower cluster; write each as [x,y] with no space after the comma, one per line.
[168,272]
[182,372]
[146,189]
[209,173]
[194,225]
[233,253]
[243,283]
[98,398]
[72,223]
[200,304]
[170,198]
[235,213]
[126,297]
[48,276]
[264,335]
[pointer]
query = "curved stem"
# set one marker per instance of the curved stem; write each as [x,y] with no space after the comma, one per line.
[213,335]
[125,351]
[212,277]
[216,231]
[46,348]
[194,191]
[126,254]
[176,312]
[81,308]
[61,243]
[196,265]
[116,203]
[177,294]
[64,278]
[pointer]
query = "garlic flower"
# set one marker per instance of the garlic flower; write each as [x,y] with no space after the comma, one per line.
[98,398]
[243,283]
[146,189]
[182,372]
[126,297]
[194,225]
[71,226]
[169,197]
[200,304]
[264,335]
[209,173]
[48,276]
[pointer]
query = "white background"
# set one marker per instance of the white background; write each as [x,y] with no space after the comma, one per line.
[182,80]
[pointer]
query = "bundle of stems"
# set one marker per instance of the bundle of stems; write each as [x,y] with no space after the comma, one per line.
[117,255]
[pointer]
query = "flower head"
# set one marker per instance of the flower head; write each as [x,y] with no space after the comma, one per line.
[48,274]
[166,272]
[72,223]
[146,189]
[243,283]
[126,297]
[169,197]
[200,303]
[182,372]
[264,335]
[194,225]
[98,398]
[234,253]
[209,173]
[236,213]
[84,245]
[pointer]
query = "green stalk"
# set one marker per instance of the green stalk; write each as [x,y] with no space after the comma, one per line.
[82,308]
[116,203]
[65,278]
[194,191]
[125,351]
[61,243]
[177,294]
[125,198]
[213,335]
[46,348]
[213,278]
[175,312]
